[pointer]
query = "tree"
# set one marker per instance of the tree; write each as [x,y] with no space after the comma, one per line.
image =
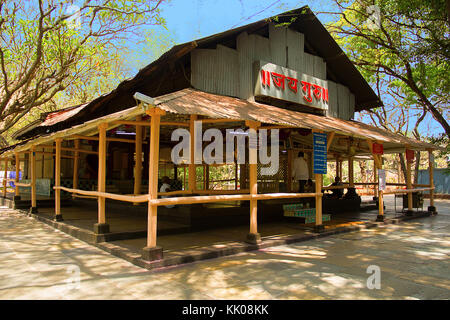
[46,48]
[404,42]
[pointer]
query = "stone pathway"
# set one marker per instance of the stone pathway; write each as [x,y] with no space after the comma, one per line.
[38,262]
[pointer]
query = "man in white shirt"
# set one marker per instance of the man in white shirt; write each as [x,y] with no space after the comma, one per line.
[300,171]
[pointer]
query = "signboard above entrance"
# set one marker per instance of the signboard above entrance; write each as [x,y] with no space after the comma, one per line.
[377,148]
[285,84]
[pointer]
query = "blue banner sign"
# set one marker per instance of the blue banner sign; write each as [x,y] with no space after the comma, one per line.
[320,153]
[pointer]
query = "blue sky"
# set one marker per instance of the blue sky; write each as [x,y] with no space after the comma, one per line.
[192,19]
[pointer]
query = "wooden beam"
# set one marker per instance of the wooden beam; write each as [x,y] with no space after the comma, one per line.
[219,120]
[5,178]
[102,171]
[17,173]
[330,138]
[138,164]
[430,171]
[58,216]
[147,123]
[253,236]
[289,170]
[76,161]
[192,167]
[153,181]
[351,174]
[318,178]
[33,179]
[409,185]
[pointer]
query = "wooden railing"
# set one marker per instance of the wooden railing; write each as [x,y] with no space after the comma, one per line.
[407,190]
[189,200]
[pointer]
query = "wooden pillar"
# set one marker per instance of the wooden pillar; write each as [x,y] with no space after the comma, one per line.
[375,180]
[101,226]
[431,207]
[33,208]
[58,215]
[289,170]
[138,164]
[5,178]
[253,237]
[319,182]
[192,178]
[337,168]
[76,161]
[409,186]
[17,194]
[351,176]
[207,176]
[152,251]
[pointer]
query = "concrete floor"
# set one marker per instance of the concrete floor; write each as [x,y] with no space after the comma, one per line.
[38,262]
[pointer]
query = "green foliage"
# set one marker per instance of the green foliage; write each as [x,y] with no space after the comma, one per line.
[55,54]
[406,54]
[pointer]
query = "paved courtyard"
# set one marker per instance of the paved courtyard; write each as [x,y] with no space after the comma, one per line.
[38,262]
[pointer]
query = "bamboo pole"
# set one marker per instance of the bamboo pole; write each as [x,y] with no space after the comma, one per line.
[375,178]
[138,165]
[76,161]
[17,195]
[192,171]
[409,186]
[232,197]
[351,175]
[431,208]
[253,236]
[408,190]
[58,216]
[337,167]
[318,223]
[289,170]
[151,251]
[33,208]
[101,226]
[5,178]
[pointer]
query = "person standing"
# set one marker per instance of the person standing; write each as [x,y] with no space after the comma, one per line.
[300,171]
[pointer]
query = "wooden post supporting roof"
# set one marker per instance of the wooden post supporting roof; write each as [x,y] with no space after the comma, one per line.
[33,208]
[351,174]
[152,251]
[375,180]
[138,164]
[192,177]
[318,225]
[58,215]
[5,178]
[101,226]
[253,237]
[75,164]
[337,168]
[431,207]
[17,194]
[409,186]
[289,170]
[377,162]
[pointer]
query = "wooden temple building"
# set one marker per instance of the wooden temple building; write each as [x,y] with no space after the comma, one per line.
[286,74]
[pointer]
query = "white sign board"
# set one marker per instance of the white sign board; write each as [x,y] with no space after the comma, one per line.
[289,85]
[381,179]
